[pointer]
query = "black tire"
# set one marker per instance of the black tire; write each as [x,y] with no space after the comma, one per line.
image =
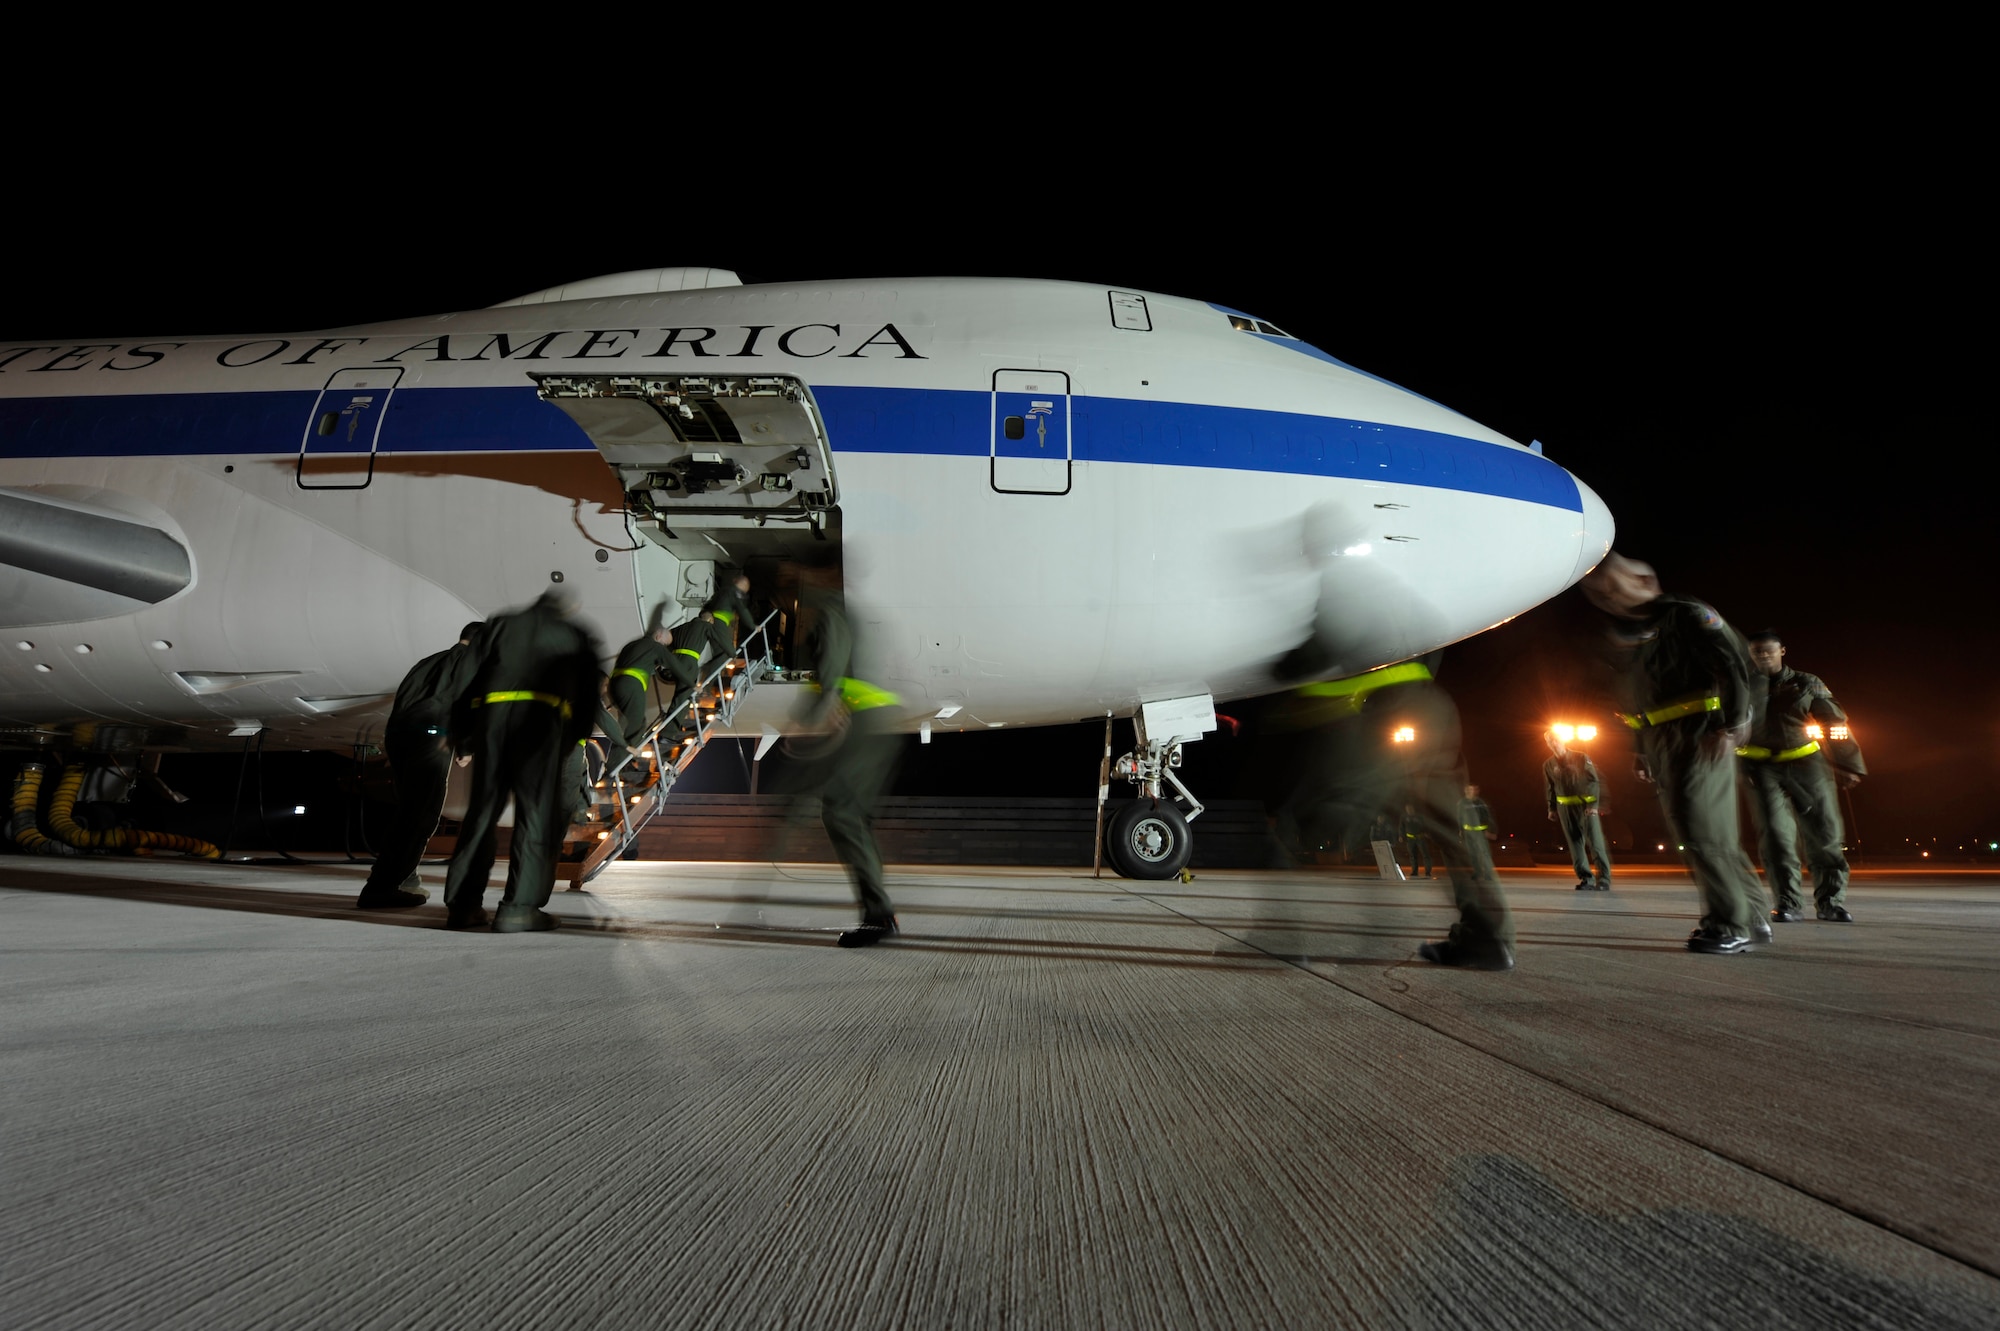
[1147,840]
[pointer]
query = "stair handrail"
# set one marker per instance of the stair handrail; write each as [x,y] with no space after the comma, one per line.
[702,683]
[727,701]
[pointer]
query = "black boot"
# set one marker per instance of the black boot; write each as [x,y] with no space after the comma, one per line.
[1487,956]
[870,932]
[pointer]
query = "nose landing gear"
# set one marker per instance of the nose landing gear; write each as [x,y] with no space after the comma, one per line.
[1149,838]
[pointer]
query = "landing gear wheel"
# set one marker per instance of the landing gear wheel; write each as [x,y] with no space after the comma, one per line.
[1148,840]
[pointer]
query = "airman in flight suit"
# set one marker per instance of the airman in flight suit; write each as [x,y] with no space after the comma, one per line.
[418,740]
[1425,774]
[730,608]
[1569,781]
[533,696]
[1686,682]
[1476,831]
[639,661]
[1792,778]
[853,773]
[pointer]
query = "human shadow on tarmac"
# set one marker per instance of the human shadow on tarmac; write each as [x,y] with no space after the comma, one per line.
[1508,1247]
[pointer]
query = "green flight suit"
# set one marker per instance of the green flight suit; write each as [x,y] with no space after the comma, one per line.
[418,742]
[1792,788]
[731,612]
[852,777]
[639,662]
[691,640]
[1358,713]
[1334,800]
[1416,845]
[1687,679]
[533,696]
[1476,835]
[1570,784]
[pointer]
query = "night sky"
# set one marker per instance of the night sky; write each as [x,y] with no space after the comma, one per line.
[1763,344]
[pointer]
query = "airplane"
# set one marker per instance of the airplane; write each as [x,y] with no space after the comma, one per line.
[1050,501]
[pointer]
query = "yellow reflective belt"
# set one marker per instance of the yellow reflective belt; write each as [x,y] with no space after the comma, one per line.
[1360,686]
[1673,711]
[525,695]
[1576,799]
[727,617]
[687,651]
[640,675]
[1758,753]
[1473,827]
[860,696]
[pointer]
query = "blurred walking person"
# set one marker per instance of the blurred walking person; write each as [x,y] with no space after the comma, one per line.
[1424,772]
[419,743]
[852,774]
[532,698]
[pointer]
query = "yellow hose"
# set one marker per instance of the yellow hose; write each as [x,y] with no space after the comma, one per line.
[63,823]
[22,825]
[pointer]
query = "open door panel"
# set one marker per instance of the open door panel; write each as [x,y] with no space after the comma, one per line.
[713,451]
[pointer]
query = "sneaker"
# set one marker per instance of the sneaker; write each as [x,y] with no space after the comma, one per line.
[1837,914]
[1716,942]
[1786,917]
[1760,932]
[473,918]
[1482,957]
[1585,885]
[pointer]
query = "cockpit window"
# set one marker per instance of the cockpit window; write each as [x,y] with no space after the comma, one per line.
[1244,324]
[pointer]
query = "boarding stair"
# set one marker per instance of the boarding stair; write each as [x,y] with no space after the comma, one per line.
[624,801]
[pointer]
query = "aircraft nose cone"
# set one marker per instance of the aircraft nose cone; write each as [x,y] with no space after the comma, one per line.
[1597,531]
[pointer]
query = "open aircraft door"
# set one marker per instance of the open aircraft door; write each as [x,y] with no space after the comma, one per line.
[731,467]
[1031,434]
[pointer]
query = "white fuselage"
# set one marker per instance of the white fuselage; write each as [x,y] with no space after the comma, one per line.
[1199,499]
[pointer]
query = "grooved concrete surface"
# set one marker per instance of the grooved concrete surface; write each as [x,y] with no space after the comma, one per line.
[229,1101]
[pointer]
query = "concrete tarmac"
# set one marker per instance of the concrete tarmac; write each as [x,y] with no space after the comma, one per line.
[229,1100]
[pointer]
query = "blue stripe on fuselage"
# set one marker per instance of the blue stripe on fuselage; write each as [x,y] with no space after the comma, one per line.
[1111,429]
[944,422]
